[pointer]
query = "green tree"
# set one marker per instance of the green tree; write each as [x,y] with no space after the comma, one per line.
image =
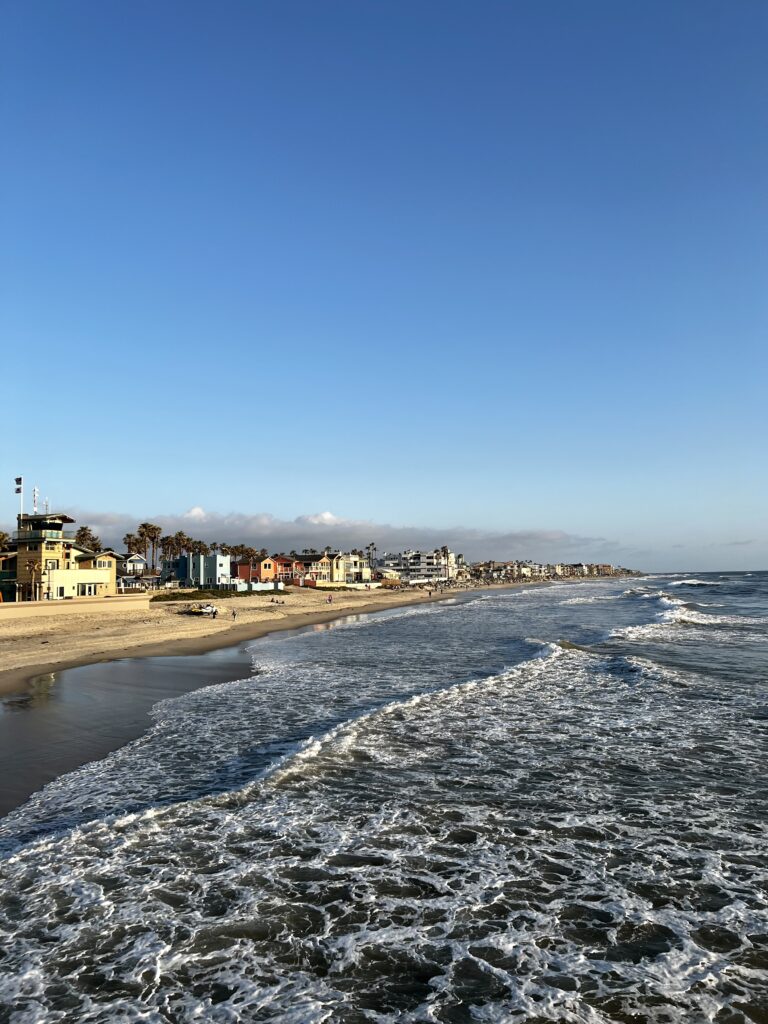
[168,546]
[5,540]
[86,538]
[132,544]
[183,542]
[149,534]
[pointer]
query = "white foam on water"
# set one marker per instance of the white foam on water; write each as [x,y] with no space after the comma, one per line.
[695,583]
[682,614]
[462,844]
[689,614]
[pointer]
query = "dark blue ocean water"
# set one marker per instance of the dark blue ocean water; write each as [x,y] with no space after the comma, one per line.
[545,804]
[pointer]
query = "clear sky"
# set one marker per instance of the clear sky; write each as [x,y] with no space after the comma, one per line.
[496,265]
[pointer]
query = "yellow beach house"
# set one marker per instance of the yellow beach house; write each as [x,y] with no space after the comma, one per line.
[45,563]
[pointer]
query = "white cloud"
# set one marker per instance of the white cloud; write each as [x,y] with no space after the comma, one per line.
[198,514]
[323,519]
[316,529]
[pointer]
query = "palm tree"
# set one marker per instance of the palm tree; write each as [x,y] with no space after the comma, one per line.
[182,542]
[143,540]
[132,543]
[86,538]
[34,568]
[5,540]
[168,546]
[149,534]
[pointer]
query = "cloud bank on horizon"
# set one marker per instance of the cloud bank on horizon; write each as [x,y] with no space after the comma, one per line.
[320,528]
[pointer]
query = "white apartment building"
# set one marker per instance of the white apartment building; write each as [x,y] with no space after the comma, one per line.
[435,566]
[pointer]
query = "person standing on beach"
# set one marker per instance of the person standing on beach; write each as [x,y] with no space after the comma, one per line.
[234,614]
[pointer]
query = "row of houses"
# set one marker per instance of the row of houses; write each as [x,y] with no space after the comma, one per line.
[338,568]
[44,561]
[500,572]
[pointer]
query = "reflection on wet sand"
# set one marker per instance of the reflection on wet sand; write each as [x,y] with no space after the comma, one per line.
[39,692]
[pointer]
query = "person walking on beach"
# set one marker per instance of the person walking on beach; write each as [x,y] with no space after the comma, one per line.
[234,614]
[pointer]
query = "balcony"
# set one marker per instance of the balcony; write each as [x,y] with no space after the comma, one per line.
[24,535]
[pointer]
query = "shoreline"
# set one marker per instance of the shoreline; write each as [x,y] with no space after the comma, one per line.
[18,680]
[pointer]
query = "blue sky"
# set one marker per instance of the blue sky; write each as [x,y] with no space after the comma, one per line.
[496,266]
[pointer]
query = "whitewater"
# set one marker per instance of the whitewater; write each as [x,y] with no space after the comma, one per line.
[529,805]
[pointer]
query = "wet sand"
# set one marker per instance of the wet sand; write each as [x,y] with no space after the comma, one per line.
[67,719]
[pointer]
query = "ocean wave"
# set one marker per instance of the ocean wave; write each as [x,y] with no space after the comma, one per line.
[695,583]
[689,614]
[458,847]
[682,615]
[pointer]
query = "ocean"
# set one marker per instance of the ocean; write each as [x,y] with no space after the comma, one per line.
[539,804]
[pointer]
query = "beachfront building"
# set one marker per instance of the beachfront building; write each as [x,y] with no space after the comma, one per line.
[350,567]
[44,563]
[266,569]
[245,571]
[496,572]
[283,568]
[212,570]
[338,568]
[439,565]
[312,567]
[132,565]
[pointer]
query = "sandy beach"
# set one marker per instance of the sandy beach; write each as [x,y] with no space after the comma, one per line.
[29,648]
